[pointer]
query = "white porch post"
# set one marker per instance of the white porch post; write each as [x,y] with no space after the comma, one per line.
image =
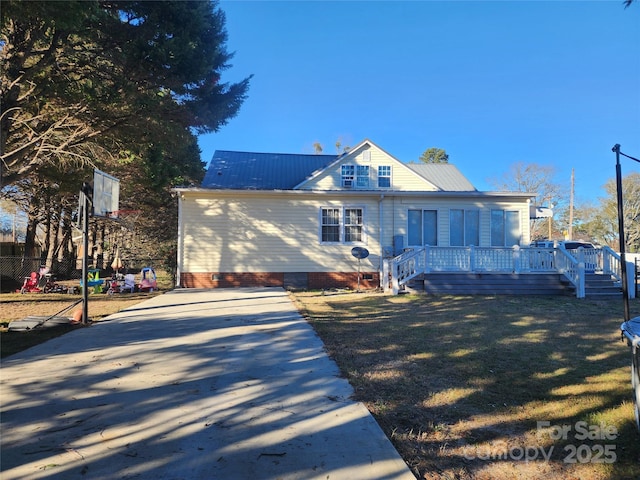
[385,274]
[580,290]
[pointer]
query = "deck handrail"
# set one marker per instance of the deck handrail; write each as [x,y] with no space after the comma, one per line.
[574,265]
[572,269]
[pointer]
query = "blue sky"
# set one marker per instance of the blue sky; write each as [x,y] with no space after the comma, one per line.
[491,82]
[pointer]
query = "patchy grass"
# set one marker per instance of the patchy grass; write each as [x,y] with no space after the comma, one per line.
[475,387]
[16,306]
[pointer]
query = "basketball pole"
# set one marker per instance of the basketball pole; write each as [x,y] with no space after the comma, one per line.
[623,260]
[87,193]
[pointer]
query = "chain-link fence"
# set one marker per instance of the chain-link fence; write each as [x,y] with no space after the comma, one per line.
[13,270]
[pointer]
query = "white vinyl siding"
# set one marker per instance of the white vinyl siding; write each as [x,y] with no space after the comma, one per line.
[270,233]
[342,175]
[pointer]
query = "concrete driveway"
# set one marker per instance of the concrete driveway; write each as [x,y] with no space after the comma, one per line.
[192,384]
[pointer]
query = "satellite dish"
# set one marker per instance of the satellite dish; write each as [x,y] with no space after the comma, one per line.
[359,252]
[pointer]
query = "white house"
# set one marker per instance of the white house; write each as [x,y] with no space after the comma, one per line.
[292,220]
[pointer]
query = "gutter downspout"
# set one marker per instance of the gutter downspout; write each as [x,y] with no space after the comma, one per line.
[381,244]
[180,241]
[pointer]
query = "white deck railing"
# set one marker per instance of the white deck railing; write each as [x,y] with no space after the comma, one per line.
[573,264]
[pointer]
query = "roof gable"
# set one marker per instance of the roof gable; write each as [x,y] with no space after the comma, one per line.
[329,178]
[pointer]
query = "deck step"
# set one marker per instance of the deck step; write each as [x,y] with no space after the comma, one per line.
[464,283]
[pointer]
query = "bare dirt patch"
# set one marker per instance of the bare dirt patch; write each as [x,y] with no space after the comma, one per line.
[17,306]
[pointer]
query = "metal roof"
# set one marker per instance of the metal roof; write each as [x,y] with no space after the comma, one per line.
[445,176]
[229,170]
[261,171]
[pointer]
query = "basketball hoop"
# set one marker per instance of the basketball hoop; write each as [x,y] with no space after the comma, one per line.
[122,214]
[127,219]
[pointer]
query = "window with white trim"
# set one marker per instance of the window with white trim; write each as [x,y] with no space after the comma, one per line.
[348,175]
[352,225]
[464,227]
[342,225]
[330,231]
[505,228]
[422,228]
[384,176]
[362,176]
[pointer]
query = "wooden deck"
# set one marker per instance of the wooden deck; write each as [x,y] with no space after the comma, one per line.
[498,270]
[510,284]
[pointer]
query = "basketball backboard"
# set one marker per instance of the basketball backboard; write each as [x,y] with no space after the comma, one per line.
[106,194]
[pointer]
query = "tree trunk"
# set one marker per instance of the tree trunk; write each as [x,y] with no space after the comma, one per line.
[32,226]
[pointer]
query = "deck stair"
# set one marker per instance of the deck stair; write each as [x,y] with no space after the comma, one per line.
[596,285]
[600,285]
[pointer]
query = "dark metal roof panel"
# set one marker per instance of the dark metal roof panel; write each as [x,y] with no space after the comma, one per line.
[261,171]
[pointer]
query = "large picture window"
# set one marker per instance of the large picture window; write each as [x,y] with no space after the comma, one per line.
[422,227]
[464,227]
[342,225]
[505,228]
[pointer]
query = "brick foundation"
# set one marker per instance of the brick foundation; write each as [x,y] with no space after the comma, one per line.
[232,279]
[314,280]
[320,280]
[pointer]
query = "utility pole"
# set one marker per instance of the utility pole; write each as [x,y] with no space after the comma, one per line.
[550,219]
[571,205]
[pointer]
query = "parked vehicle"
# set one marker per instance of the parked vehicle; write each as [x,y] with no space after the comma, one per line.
[572,244]
[583,252]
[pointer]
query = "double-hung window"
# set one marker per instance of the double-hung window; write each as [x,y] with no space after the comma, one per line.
[362,176]
[505,228]
[384,176]
[464,227]
[330,225]
[342,225]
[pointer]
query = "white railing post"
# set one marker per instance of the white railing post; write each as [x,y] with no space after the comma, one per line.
[472,258]
[580,287]
[385,274]
[516,258]
[395,283]
[427,269]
